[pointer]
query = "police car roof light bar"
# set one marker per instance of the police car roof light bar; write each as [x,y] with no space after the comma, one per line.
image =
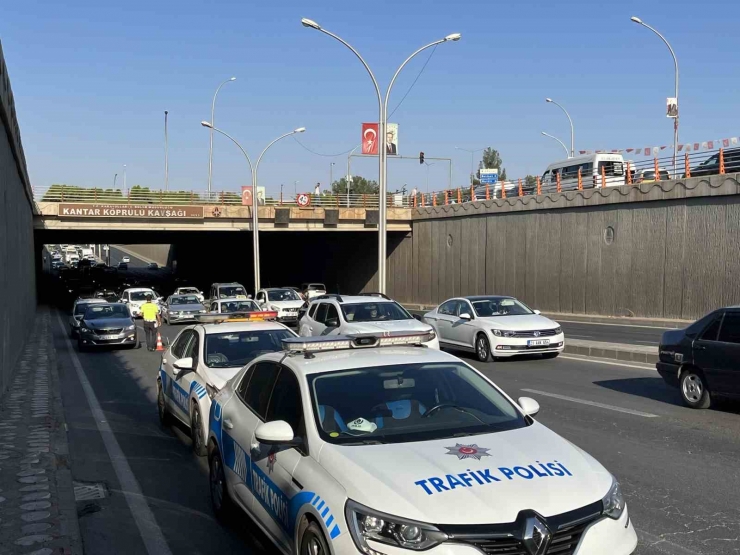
[235,317]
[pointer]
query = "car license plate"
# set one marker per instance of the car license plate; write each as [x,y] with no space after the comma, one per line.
[108,337]
[537,342]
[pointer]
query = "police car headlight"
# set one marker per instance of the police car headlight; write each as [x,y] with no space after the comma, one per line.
[614,501]
[503,333]
[366,524]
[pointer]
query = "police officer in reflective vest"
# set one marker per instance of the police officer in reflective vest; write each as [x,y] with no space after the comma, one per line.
[152,319]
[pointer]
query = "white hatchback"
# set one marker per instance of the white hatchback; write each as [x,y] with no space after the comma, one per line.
[495,327]
[351,446]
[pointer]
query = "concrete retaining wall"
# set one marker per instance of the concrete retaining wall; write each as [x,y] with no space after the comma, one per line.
[662,250]
[17,252]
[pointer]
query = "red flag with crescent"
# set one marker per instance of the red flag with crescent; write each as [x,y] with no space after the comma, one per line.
[370,138]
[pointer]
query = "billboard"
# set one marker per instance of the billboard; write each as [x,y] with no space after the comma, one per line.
[247,195]
[370,139]
[126,211]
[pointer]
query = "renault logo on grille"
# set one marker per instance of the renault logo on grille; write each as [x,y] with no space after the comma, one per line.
[536,334]
[536,536]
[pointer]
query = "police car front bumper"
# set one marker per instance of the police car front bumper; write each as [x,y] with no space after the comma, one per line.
[605,535]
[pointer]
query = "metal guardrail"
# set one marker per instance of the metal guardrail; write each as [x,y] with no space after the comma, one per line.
[71,194]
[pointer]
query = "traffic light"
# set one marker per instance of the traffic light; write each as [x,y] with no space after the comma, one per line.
[421,158]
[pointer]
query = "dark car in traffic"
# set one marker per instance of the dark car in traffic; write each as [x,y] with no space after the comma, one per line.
[710,166]
[107,324]
[703,360]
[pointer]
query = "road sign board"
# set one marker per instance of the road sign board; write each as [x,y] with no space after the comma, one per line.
[303,199]
[489,176]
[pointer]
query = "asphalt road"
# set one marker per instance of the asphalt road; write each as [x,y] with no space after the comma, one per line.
[678,467]
[608,333]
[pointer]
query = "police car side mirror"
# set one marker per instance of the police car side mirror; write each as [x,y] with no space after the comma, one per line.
[465,316]
[277,432]
[529,406]
[183,364]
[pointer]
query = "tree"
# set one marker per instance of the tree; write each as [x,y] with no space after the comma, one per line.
[530,182]
[492,160]
[359,186]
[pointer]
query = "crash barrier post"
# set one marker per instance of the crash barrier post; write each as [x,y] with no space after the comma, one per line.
[447,200]
[539,186]
[603,177]
[488,192]
[580,180]
[521,192]
[459,196]
[414,201]
[686,166]
[656,166]
[721,161]
[472,194]
[434,200]
[503,190]
[629,173]
[557,179]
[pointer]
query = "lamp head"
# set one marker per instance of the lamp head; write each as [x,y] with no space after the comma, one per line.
[232,79]
[206,124]
[548,100]
[310,23]
[636,19]
[299,130]
[453,37]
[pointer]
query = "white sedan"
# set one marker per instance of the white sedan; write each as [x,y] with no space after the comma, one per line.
[379,445]
[495,327]
[201,360]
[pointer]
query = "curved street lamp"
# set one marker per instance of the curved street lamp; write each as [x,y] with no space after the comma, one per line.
[382,123]
[472,164]
[558,140]
[675,66]
[572,139]
[210,149]
[255,199]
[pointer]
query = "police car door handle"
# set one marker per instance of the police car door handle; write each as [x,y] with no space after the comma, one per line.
[228,424]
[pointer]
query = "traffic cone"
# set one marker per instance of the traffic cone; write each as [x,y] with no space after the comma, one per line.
[160,347]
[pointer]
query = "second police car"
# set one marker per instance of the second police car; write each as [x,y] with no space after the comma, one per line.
[377,445]
[201,360]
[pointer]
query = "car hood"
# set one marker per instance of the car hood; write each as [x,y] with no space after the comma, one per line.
[525,322]
[503,474]
[672,337]
[219,376]
[412,325]
[286,304]
[187,307]
[107,323]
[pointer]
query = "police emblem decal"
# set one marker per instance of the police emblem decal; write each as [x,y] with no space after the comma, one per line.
[468,451]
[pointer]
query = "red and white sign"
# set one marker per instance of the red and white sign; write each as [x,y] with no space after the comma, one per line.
[303,199]
[370,138]
[247,195]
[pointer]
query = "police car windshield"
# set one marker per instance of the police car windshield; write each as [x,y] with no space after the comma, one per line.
[239,306]
[375,312]
[101,311]
[185,299]
[282,295]
[499,306]
[228,350]
[141,295]
[408,402]
[227,291]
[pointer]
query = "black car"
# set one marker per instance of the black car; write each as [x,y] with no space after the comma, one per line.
[107,324]
[710,166]
[703,360]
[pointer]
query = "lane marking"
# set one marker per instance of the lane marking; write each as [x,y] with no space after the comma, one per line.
[617,325]
[150,532]
[580,336]
[609,362]
[592,403]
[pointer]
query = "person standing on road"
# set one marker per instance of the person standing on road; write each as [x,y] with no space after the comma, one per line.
[152,320]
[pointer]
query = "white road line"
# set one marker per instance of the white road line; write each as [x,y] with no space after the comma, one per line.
[592,403]
[651,343]
[579,336]
[614,324]
[150,532]
[609,362]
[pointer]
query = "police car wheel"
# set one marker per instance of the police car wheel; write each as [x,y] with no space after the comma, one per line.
[196,425]
[220,500]
[164,415]
[313,541]
[482,348]
[694,389]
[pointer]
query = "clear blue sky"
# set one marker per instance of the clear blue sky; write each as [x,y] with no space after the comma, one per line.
[92,80]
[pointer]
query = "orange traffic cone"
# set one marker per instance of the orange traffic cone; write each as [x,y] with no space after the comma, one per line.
[160,347]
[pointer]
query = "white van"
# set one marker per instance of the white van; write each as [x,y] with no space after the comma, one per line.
[591,166]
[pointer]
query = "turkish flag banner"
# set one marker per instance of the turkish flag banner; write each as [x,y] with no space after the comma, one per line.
[370,138]
[246,195]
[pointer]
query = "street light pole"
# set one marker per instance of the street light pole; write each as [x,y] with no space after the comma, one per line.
[124,179]
[572,135]
[166,155]
[255,196]
[295,189]
[675,66]
[213,122]
[331,174]
[349,173]
[472,165]
[558,140]
[114,181]
[428,165]
[382,147]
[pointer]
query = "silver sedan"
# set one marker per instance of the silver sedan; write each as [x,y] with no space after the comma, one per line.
[182,308]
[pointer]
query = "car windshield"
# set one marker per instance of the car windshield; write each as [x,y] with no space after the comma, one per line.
[81,308]
[188,291]
[408,402]
[185,299]
[375,312]
[499,306]
[226,291]
[316,287]
[282,295]
[227,350]
[239,306]
[142,295]
[97,312]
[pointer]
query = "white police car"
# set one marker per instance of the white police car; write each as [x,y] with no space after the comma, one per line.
[202,358]
[375,445]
